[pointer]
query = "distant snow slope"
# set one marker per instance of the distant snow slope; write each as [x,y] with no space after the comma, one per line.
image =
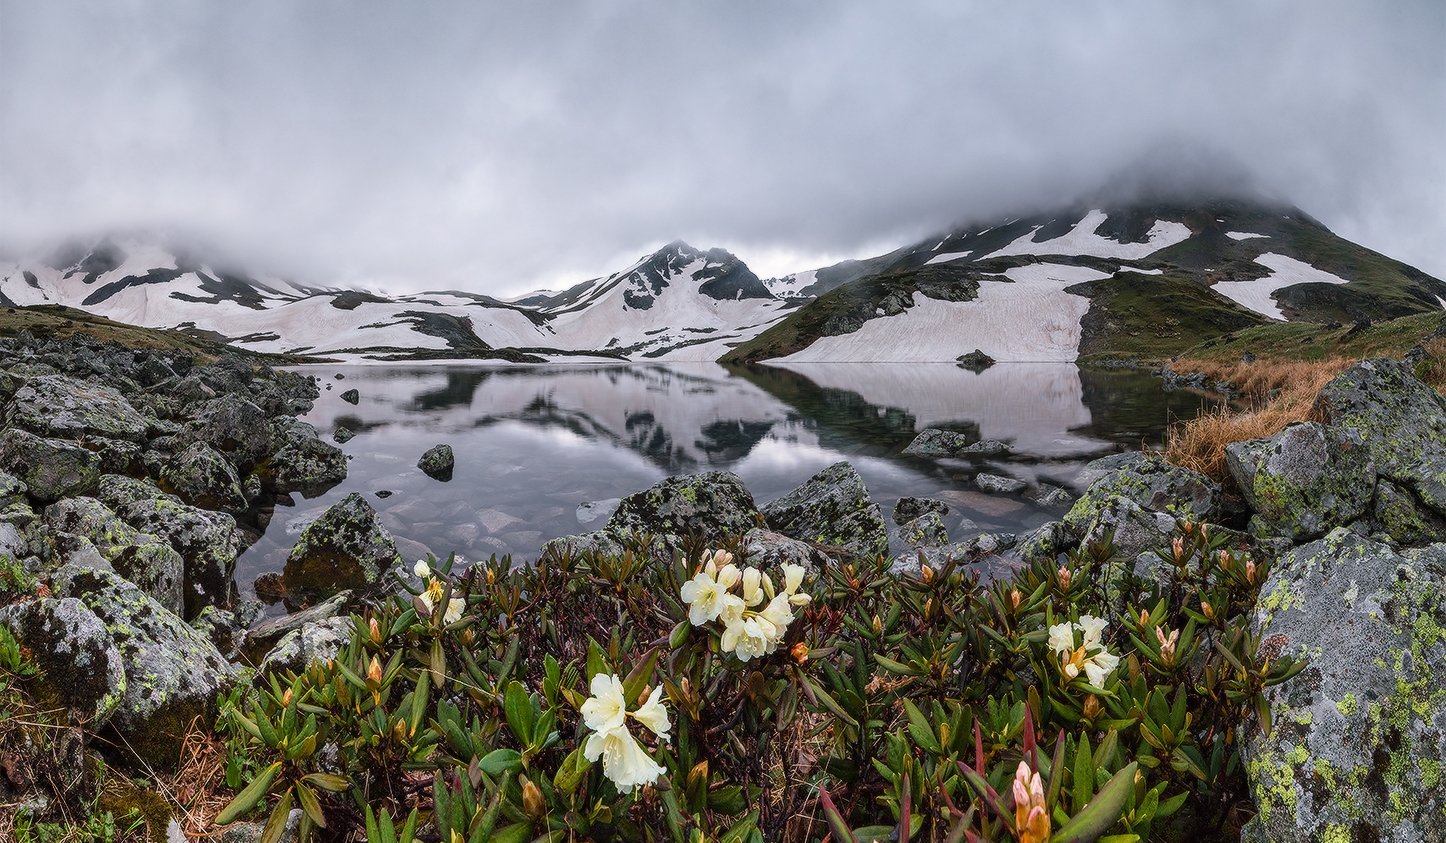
[1258,294]
[1082,240]
[1026,317]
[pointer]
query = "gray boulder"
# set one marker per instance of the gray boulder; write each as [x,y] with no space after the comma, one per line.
[999,484]
[351,396]
[1398,517]
[1359,735]
[767,549]
[147,561]
[305,464]
[319,641]
[1148,481]
[1402,423]
[933,442]
[831,508]
[201,476]
[601,542]
[907,508]
[714,504]
[173,674]
[1303,481]
[264,636]
[207,541]
[438,462]
[56,406]
[927,530]
[50,468]
[235,427]
[346,548]
[78,658]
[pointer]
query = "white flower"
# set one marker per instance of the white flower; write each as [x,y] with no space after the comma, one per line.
[1098,667]
[750,638]
[792,578]
[778,612]
[704,597]
[1061,638]
[433,595]
[653,715]
[752,591]
[454,610]
[1093,629]
[625,763]
[728,575]
[422,569]
[732,610]
[605,710]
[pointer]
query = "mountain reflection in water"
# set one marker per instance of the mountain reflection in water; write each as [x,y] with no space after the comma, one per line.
[533,443]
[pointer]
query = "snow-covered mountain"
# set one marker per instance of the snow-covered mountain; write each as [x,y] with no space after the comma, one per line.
[677,304]
[1122,279]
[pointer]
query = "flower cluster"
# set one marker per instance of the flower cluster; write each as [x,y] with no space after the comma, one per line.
[625,762]
[1031,811]
[723,592]
[1087,655]
[433,593]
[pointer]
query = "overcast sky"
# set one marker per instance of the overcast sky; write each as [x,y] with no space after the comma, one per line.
[504,146]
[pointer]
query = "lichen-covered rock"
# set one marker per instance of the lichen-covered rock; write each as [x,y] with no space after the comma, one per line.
[1304,481]
[173,674]
[998,483]
[342,435]
[1399,518]
[714,504]
[57,406]
[907,508]
[766,549]
[264,636]
[832,508]
[601,542]
[1402,423]
[934,442]
[235,427]
[351,396]
[1148,481]
[77,656]
[12,490]
[346,548]
[438,462]
[147,561]
[318,641]
[207,541]
[305,464]
[1049,495]
[50,468]
[200,476]
[1359,735]
[981,554]
[927,530]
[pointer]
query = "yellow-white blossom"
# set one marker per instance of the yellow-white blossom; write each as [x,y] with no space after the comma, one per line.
[704,596]
[1090,657]
[422,569]
[750,638]
[607,708]
[626,764]
[752,588]
[653,715]
[433,595]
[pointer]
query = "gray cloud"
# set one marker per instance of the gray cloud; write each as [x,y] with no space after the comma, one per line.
[495,147]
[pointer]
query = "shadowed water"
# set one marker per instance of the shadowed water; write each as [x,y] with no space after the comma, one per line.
[535,443]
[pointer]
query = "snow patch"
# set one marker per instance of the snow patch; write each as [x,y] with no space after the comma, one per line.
[1082,240]
[1243,235]
[948,256]
[1258,294]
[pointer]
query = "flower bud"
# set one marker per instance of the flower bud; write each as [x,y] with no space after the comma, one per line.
[1250,571]
[374,671]
[1064,577]
[286,697]
[1144,618]
[1015,598]
[799,652]
[1207,610]
[399,730]
[878,625]
[375,630]
[532,802]
[699,774]
[1092,707]
[926,573]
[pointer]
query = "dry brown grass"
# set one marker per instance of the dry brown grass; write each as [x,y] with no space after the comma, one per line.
[1277,393]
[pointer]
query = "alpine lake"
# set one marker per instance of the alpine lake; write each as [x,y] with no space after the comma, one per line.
[544,451]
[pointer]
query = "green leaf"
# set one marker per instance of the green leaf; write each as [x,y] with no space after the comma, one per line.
[247,799]
[500,761]
[327,781]
[1096,818]
[829,702]
[1083,785]
[517,706]
[276,826]
[640,676]
[836,824]
[310,805]
[519,832]
[921,730]
[570,772]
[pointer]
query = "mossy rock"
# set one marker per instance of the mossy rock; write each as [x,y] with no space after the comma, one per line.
[1304,481]
[50,468]
[79,660]
[438,462]
[832,508]
[714,504]
[1148,481]
[57,406]
[234,426]
[1359,735]
[345,548]
[148,562]
[201,476]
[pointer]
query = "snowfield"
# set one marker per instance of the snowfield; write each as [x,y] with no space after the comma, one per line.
[1243,235]
[1027,318]
[1082,240]
[1259,294]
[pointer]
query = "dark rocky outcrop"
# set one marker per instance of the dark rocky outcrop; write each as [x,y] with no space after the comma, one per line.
[831,508]
[438,462]
[714,504]
[346,548]
[933,442]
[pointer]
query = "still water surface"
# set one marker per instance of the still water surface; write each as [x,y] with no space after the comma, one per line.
[534,443]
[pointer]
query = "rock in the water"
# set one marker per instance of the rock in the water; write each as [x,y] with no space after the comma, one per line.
[78,657]
[927,530]
[832,508]
[1148,481]
[767,549]
[975,361]
[907,509]
[1304,481]
[57,406]
[306,464]
[50,468]
[1402,423]
[147,561]
[173,673]
[1360,734]
[351,396]
[933,442]
[1052,496]
[438,462]
[346,548]
[207,541]
[200,476]
[342,435]
[999,484]
[714,504]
